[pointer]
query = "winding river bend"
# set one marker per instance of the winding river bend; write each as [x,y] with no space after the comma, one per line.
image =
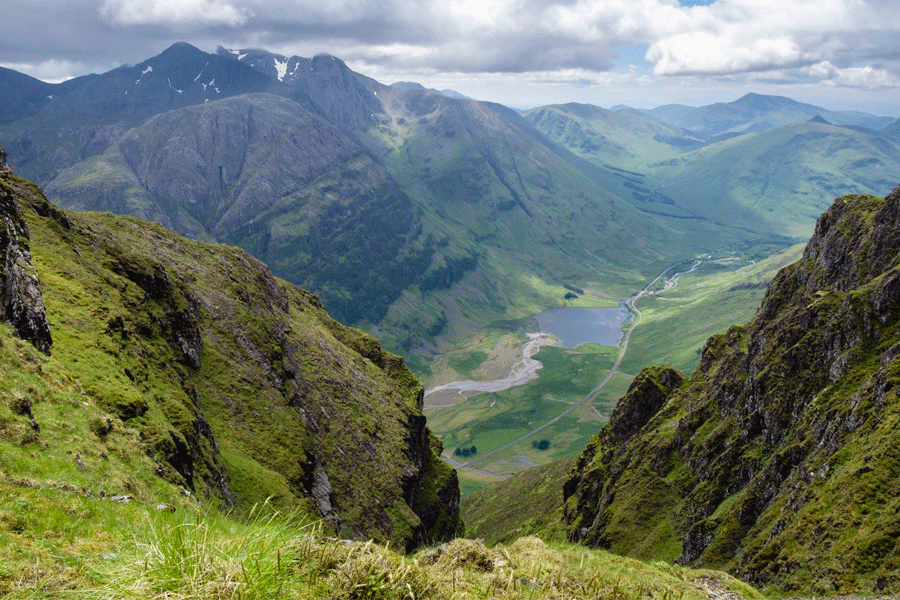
[523,370]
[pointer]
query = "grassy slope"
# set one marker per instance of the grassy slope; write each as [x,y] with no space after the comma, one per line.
[624,139]
[279,393]
[724,291]
[144,553]
[791,487]
[538,507]
[784,176]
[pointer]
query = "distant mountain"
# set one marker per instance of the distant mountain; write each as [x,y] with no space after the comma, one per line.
[625,138]
[780,176]
[454,94]
[408,85]
[755,112]
[390,204]
[22,95]
[892,130]
[85,115]
[777,460]
[774,180]
[670,113]
[265,173]
[323,83]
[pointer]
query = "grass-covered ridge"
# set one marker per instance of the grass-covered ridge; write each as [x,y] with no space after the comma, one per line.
[202,554]
[180,368]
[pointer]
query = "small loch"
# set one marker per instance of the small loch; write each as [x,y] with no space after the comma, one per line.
[577,326]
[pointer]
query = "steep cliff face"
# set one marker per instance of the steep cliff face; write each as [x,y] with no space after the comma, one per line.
[21,302]
[778,459]
[238,385]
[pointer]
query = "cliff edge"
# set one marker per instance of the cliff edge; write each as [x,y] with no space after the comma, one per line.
[778,459]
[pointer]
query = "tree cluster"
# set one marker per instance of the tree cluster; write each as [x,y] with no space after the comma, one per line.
[465,451]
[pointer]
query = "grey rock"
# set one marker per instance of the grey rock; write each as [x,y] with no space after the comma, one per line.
[21,301]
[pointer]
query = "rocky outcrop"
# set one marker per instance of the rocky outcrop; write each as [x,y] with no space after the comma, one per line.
[21,302]
[777,459]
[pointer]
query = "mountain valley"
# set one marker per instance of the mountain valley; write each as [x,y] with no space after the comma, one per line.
[774,460]
[142,368]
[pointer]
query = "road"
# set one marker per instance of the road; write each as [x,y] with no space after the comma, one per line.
[673,280]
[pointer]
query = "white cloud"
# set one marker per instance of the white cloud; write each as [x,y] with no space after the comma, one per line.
[841,43]
[725,38]
[48,71]
[732,36]
[700,52]
[143,12]
[855,77]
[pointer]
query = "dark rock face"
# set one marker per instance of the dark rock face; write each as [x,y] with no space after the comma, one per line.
[21,301]
[776,461]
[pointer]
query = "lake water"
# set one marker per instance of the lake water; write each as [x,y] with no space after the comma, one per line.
[577,326]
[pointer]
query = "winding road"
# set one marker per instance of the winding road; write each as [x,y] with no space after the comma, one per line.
[515,376]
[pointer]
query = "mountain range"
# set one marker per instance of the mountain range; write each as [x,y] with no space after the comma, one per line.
[419,216]
[142,365]
[771,180]
[756,112]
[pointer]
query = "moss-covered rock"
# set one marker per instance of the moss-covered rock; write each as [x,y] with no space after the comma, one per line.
[777,460]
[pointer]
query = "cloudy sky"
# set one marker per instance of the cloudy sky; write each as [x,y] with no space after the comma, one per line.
[840,54]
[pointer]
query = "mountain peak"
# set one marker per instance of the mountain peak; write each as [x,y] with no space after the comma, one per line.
[181,50]
[408,85]
[764,102]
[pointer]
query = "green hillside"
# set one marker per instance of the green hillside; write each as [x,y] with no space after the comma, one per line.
[775,181]
[174,371]
[776,460]
[624,139]
[780,179]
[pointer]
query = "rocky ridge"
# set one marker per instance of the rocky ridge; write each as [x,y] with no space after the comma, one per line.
[777,459]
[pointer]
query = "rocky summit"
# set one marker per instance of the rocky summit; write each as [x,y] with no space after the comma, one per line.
[778,459]
[173,369]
